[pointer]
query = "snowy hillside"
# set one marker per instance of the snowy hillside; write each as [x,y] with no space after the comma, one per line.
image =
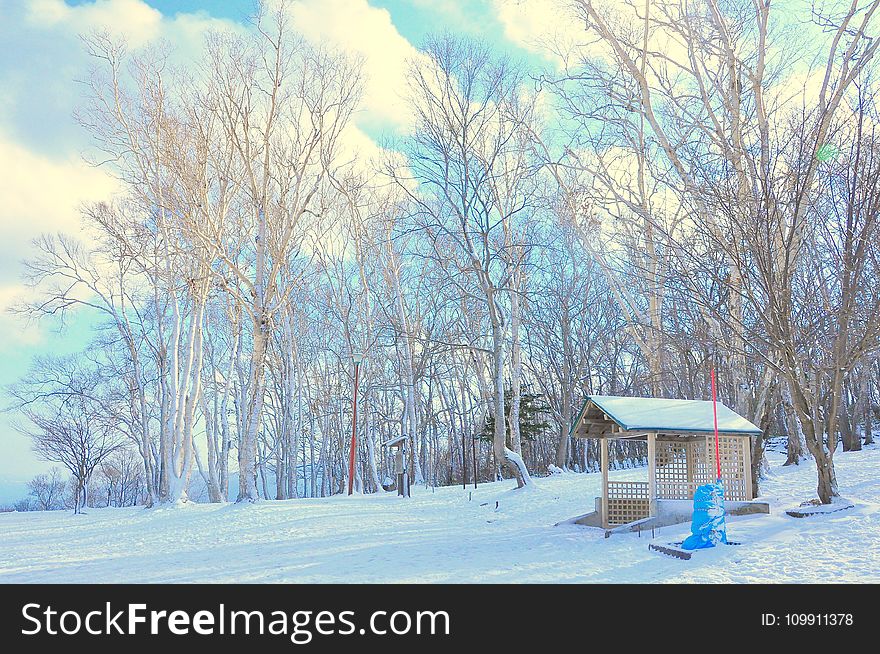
[443,537]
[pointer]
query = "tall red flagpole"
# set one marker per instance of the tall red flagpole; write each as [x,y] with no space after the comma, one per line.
[715,417]
[354,417]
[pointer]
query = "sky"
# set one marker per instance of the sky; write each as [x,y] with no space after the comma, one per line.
[44,180]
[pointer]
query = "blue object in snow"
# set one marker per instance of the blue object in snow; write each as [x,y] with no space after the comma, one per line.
[707,527]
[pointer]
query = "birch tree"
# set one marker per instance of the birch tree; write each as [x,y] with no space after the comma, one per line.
[468,117]
[283,105]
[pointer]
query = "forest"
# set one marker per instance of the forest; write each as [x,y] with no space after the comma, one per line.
[694,186]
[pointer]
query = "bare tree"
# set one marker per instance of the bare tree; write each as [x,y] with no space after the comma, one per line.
[63,403]
[470,113]
[282,105]
[48,490]
[698,82]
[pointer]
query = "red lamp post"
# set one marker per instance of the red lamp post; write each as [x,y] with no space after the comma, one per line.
[357,358]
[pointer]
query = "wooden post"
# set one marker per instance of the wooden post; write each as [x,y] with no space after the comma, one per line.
[463,462]
[747,465]
[710,458]
[690,456]
[603,455]
[652,474]
[474,449]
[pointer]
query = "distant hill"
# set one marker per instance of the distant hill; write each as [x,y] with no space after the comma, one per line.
[12,490]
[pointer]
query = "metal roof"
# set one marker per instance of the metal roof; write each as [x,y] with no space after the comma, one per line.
[666,415]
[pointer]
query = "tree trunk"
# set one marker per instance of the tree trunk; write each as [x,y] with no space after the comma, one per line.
[852,442]
[827,479]
[370,438]
[516,367]
[504,457]
[247,448]
[795,444]
[827,488]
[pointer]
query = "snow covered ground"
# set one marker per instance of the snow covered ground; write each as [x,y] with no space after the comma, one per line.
[443,536]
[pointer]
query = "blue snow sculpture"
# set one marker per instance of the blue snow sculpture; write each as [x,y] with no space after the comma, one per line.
[707,528]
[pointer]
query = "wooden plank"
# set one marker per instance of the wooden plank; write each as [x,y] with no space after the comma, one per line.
[630,526]
[806,512]
[747,467]
[671,550]
[595,421]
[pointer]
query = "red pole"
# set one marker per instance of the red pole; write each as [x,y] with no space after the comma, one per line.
[354,414]
[715,416]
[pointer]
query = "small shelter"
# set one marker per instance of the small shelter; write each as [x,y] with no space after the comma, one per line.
[398,444]
[680,436]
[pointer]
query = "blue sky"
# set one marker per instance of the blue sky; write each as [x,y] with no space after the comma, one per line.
[43,179]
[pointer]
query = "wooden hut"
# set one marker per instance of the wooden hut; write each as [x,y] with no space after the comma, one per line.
[680,439]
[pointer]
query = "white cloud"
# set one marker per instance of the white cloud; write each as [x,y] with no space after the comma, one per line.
[546,27]
[40,195]
[43,195]
[351,26]
[44,187]
[139,22]
[355,144]
[355,27]
[557,30]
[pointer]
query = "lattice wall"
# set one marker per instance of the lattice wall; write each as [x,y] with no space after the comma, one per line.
[627,501]
[682,466]
[732,454]
[672,470]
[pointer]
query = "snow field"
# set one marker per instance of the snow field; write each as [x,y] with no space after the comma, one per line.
[442,536]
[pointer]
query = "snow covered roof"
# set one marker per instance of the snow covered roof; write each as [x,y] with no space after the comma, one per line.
[664,415]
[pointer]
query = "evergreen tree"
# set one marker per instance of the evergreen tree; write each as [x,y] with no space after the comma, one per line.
[533,417]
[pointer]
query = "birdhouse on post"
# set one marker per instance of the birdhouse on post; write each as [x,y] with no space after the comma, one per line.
[398,447]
